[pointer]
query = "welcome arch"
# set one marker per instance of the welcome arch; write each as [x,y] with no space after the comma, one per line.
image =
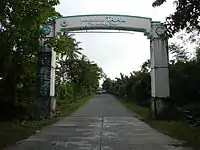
[154,30]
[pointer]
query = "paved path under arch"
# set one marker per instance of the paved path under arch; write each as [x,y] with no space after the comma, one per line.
[101,124]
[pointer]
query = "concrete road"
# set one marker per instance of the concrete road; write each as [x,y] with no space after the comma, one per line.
[101,124]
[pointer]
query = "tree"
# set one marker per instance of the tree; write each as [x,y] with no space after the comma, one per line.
[178,52]
[198,54]
[82,74]
[107,84]
[146,66]
[186,16]
[19,35]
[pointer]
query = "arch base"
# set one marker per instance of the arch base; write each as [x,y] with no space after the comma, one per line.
[164,109]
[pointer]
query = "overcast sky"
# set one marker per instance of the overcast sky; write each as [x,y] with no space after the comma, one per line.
[116,53]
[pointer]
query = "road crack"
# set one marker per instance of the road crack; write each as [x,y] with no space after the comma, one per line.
[101,132]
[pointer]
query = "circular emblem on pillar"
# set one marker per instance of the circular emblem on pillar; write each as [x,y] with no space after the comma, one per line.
[160,31]
[46,30]
[64,23]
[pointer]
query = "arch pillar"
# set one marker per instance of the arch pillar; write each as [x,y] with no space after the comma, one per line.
[45,101]
[160,89]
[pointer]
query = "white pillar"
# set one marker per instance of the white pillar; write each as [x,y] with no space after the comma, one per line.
[52,83]
[159,68]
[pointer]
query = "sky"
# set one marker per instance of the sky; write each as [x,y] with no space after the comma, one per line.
[116,52]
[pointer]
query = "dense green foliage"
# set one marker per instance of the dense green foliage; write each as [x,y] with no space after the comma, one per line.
[77,76]
[186,16]
[19,41]
[184,82]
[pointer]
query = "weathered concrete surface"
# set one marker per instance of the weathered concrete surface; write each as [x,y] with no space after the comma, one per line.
[101,124]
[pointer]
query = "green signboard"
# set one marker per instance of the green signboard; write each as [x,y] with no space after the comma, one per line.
[44,74]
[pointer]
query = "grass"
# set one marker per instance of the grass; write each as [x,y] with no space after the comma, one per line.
[138,109]
[177,129]
[66,109]
[11,132]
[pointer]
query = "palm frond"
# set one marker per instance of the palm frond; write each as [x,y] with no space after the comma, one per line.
[158,3]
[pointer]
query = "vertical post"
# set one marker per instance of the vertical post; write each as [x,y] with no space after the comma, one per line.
[52,85]
[44,103]
[159,70]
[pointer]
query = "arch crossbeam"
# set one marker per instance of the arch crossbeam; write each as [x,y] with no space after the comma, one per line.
[106,21]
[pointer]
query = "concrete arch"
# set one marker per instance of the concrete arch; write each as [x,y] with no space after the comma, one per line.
[154,31]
